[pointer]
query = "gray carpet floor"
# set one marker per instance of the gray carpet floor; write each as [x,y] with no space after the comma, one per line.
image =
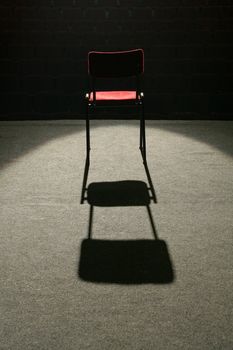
[50,298]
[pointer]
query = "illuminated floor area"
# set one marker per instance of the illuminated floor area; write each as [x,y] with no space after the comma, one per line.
[139,282]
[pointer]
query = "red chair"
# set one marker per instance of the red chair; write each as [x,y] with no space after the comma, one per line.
[109,69]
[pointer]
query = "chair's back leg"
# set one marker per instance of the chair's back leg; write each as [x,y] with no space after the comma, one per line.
[142,132]
[87,133]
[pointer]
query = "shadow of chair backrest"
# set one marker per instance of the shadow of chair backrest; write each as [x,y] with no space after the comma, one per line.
[125,262]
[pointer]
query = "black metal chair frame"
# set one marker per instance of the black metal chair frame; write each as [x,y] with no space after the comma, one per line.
[119,64]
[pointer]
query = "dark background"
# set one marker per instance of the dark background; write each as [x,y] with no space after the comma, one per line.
[188,48]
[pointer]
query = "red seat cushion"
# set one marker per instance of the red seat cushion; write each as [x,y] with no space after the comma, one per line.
[113,95]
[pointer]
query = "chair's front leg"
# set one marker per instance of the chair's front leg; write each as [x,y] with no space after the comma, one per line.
[87,129]
[87,163]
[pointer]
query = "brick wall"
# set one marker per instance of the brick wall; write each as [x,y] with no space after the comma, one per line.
[188,48]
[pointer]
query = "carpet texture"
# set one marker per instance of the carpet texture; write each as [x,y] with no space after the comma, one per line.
[149,276]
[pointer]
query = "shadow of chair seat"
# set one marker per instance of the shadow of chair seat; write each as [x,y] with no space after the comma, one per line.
[118,193]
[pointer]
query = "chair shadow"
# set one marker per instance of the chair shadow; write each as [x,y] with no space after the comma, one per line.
[123,261]
[118,193]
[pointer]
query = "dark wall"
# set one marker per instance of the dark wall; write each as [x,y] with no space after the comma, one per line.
[188,48]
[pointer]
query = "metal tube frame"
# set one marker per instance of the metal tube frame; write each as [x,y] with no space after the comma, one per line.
[142,147]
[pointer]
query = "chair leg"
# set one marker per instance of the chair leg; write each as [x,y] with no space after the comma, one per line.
[140,140]
[85,175]
[87,134]
[142,134]
[87,163]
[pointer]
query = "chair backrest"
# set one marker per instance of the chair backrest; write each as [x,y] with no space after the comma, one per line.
[116,64]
